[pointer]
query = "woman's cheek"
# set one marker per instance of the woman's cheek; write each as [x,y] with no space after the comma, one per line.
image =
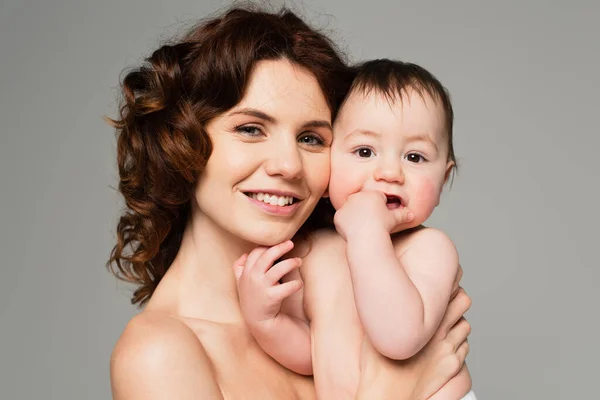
[319,171]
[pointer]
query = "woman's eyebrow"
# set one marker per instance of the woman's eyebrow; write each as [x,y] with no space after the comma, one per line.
[266,117]
[254,113]
[318,124]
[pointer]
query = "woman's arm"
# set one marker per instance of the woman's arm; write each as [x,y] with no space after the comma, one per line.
[158,357]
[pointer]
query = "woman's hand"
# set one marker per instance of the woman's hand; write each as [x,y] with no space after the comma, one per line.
[444,356]
[421,376]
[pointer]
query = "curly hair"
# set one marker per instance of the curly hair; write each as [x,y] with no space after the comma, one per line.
[162,146]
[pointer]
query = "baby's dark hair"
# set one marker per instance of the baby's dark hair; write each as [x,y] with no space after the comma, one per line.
[394,78]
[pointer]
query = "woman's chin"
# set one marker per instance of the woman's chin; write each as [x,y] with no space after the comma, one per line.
[271,240]
[268,236]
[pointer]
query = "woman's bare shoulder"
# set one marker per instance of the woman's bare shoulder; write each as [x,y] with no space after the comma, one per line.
[159,356]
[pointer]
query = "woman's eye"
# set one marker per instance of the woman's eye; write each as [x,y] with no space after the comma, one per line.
[249,130]
[415,158]
[364,152]
[311,140]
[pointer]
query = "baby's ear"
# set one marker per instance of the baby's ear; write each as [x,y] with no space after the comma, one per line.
[449,168]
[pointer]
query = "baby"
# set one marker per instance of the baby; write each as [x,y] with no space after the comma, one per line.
[380,285]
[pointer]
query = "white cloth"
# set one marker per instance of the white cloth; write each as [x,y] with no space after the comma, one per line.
[469,396]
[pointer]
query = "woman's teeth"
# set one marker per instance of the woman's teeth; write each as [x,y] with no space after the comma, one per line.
[273,199]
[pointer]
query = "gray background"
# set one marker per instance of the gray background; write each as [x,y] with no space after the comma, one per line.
[523,209]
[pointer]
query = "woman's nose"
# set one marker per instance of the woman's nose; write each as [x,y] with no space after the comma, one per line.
[285,161]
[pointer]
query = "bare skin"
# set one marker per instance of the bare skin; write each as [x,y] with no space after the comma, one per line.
[191,341]
[358,370]
[185,346]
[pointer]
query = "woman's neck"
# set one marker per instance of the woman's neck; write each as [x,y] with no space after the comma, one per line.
[200,282]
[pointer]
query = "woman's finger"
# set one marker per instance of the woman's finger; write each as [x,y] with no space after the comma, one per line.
[459,305]
[456,284]
[459,332]
[462,351]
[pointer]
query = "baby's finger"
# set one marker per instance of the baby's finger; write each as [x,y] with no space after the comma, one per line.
[280,292]
[253,257]
[241,261]
[268,258]
[238,266]
[382,196]
[282,268]
[403,215]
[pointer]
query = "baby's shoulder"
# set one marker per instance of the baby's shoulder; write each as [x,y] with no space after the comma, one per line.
[317,242]
[323,248]
[423,238]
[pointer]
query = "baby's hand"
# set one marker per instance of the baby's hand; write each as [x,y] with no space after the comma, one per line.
[258,282]
[366,211]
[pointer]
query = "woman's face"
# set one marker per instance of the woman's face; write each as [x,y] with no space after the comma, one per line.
[270,160]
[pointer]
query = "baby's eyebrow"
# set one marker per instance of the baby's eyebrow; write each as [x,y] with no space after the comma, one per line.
[423,138]
[364,132]
[420,137]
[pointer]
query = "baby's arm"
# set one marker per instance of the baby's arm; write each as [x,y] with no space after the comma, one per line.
[336,331]
[401,298]
[278,328]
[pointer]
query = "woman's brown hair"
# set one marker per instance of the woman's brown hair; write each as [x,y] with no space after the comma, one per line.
[162,147]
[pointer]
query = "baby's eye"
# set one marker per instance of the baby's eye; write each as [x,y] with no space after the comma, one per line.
[415,158]
[249,130]
[311,140]
[364,152]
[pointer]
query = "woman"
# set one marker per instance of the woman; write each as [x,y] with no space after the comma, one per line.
[242,105]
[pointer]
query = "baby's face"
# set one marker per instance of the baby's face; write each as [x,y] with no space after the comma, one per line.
[399,149]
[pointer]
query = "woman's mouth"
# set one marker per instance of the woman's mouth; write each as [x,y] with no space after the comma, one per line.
[274,204]
[273,199]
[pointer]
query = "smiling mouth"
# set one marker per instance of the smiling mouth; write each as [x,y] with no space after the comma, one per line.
[273,199]
[393,202]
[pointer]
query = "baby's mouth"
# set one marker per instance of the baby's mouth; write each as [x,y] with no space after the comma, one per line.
[393,201]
